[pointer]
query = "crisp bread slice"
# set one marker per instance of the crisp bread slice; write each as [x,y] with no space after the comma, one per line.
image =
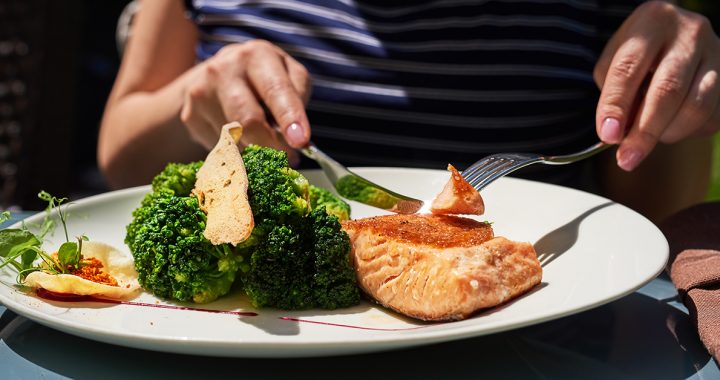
[221,188]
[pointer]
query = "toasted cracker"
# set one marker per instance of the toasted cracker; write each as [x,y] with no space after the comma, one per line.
[458,197]
[221,187]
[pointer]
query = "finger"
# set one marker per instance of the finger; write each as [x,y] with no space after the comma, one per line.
[298,74]
[629,67]
[239,103]
[202,115]
[299,77]
[698,108]
[603,62]
[668,89]
[264,137]
[269,78]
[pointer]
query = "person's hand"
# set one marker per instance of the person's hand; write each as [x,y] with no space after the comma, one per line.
[659,81]
[255,83]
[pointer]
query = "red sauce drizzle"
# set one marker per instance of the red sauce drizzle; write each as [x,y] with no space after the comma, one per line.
[65,297]
[350,326]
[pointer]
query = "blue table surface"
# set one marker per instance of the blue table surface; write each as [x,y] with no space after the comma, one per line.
[645,335]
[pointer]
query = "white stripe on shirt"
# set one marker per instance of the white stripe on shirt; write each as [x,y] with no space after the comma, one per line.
[290,28]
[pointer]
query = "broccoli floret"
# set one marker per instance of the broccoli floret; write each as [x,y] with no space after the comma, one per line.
[335,284]
[275,190]
[172,257]
[278,267]
[320,197]
[176,179]
[303,265]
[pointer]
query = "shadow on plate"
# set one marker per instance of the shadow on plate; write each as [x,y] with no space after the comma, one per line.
[561,239]
[636,337]
[278,322]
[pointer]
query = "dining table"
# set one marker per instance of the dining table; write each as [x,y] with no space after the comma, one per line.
[647,334]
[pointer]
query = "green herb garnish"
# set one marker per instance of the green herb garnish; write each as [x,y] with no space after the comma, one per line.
[21,249]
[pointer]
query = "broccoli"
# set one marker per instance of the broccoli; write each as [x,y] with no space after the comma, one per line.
[172,257]
[176,179]
[303,265]
[275,190]
[297,256]
[320,197]
[335,282]
[165,236]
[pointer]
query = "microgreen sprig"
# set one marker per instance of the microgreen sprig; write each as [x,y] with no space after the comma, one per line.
[48,223]
[20,248]
[5,216]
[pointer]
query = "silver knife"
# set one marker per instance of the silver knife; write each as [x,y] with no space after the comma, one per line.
[352,186]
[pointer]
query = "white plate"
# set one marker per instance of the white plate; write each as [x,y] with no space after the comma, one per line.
[596,251]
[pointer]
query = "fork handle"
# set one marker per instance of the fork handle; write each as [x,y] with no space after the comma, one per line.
[583,154]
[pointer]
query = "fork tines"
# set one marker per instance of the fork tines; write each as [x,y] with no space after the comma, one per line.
[485,169]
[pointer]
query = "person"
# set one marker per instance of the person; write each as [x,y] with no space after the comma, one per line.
[426,84]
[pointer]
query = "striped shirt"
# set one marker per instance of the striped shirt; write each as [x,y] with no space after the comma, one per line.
[426,83]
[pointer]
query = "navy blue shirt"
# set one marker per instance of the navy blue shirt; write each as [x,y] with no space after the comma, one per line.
[427,83]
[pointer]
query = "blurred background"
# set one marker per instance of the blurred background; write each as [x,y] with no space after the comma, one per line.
[58,60]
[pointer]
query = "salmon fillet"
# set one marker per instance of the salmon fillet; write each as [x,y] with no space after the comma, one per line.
[458,197]
[438,267]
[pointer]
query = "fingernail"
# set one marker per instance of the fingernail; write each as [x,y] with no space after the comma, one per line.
[610,131]
[629,159]
[295,135]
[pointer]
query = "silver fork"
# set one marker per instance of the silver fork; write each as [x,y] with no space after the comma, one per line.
[490,168]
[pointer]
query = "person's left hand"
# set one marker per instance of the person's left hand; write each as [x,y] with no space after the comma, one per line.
[676,54]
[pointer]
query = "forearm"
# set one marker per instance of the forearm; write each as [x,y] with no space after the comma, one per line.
[141,132]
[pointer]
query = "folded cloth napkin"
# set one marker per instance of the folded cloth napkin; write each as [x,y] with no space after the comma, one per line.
[694,238]
[696,274]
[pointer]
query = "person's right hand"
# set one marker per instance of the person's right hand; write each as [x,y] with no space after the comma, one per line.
[255,83]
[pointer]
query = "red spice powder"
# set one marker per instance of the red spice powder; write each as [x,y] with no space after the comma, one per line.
[91,269]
